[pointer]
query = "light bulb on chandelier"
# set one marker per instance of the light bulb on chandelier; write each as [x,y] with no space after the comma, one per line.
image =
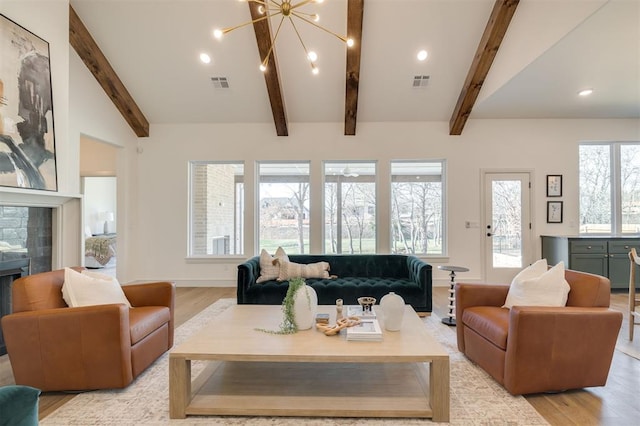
[287,10]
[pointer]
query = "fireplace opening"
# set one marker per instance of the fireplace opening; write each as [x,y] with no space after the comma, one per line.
[26,246]
[27,232]
[10,270]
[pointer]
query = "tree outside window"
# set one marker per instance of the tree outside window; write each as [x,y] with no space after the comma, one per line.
[417,207]
[609,188]
[350,207]
[284,207]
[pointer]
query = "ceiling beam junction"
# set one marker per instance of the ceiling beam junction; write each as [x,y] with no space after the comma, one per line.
[88,50]
[494,32]
[355,10]
[271,77]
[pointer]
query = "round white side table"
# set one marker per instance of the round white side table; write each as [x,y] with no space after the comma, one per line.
[451,316]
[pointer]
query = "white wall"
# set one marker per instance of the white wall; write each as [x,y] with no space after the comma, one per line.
[545,146]
[99,197]
[93,114]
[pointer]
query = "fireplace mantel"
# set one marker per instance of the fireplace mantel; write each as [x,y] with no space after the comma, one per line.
[66,220]
[36,198]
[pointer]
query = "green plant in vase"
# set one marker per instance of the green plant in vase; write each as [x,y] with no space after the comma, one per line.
[288,325]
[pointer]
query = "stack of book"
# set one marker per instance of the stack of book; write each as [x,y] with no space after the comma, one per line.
[367,331]
[356,311]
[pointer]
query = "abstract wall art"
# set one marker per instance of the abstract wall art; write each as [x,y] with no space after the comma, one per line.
[27,141]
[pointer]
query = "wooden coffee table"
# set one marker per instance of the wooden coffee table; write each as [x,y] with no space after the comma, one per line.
[252,373]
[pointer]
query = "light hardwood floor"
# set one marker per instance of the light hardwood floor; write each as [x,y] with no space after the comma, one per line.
[617,403]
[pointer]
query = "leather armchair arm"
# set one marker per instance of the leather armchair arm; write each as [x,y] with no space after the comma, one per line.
[468,295]
[154,294]
[151,294]
[70,348]
[539,338]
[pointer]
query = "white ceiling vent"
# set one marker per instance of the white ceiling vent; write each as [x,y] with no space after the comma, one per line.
[220,82]
[420,81]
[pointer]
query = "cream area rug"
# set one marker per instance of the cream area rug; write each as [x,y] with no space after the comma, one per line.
[476,399]
[631,348]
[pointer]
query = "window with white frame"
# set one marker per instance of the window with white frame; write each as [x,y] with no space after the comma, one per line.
[216,200]
[417,200]
[609,188]
[349,207]
[283,206]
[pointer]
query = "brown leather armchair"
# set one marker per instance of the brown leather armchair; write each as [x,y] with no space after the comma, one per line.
[540,349]
[53,347]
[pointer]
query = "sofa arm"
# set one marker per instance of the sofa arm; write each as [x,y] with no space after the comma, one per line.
[248,273]
[419,272]
[70,348]
[469,295]
[558,348]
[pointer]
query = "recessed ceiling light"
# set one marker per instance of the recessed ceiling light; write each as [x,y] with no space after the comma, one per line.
[205,58]
[585,92]
[422,55]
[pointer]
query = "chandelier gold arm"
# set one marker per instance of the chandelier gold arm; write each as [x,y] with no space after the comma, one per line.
[302,3]
[297,15]
[265,61]
[244,24]
[306,52]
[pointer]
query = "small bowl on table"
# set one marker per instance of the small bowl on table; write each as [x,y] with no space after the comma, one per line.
[367,303]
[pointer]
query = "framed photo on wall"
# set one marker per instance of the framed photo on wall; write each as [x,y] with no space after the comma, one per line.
[27,143]
[554,185]
[554,211]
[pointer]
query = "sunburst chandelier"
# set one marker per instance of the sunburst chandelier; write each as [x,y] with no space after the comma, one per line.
[287,10]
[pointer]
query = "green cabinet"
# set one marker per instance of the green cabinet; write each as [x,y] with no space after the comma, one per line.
[606,256]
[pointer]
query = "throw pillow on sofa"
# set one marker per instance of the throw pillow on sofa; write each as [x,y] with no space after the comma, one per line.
[269,268]
[531,288]
[290,270]
[83,289]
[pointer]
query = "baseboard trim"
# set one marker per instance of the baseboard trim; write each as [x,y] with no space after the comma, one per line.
[204,283]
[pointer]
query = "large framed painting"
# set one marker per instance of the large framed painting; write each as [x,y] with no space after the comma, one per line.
[27,141]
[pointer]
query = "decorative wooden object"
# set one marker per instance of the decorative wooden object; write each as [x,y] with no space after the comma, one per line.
[332,330]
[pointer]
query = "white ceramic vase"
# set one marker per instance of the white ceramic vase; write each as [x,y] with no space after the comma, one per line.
[393,310]
[305,305]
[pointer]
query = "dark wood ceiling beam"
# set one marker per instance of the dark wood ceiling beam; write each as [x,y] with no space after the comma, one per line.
[494,32]
[271,77]
[355,11]
[88,50]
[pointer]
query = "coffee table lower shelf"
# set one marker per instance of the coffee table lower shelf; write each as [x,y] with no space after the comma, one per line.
[312,389]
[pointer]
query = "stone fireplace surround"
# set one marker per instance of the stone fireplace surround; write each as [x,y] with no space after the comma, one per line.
[54,239]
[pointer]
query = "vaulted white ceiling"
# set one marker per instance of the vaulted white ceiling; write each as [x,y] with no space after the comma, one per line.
[552,49]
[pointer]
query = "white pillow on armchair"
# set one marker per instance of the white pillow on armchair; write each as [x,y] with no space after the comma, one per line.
[537,286]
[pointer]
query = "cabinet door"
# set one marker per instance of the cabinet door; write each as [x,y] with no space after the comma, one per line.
[593,263]
[619,271]
[619,263]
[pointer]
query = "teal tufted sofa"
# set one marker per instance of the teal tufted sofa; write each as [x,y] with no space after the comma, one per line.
[358,275]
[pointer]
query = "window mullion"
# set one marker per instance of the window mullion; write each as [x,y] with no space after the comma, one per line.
[616,189]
